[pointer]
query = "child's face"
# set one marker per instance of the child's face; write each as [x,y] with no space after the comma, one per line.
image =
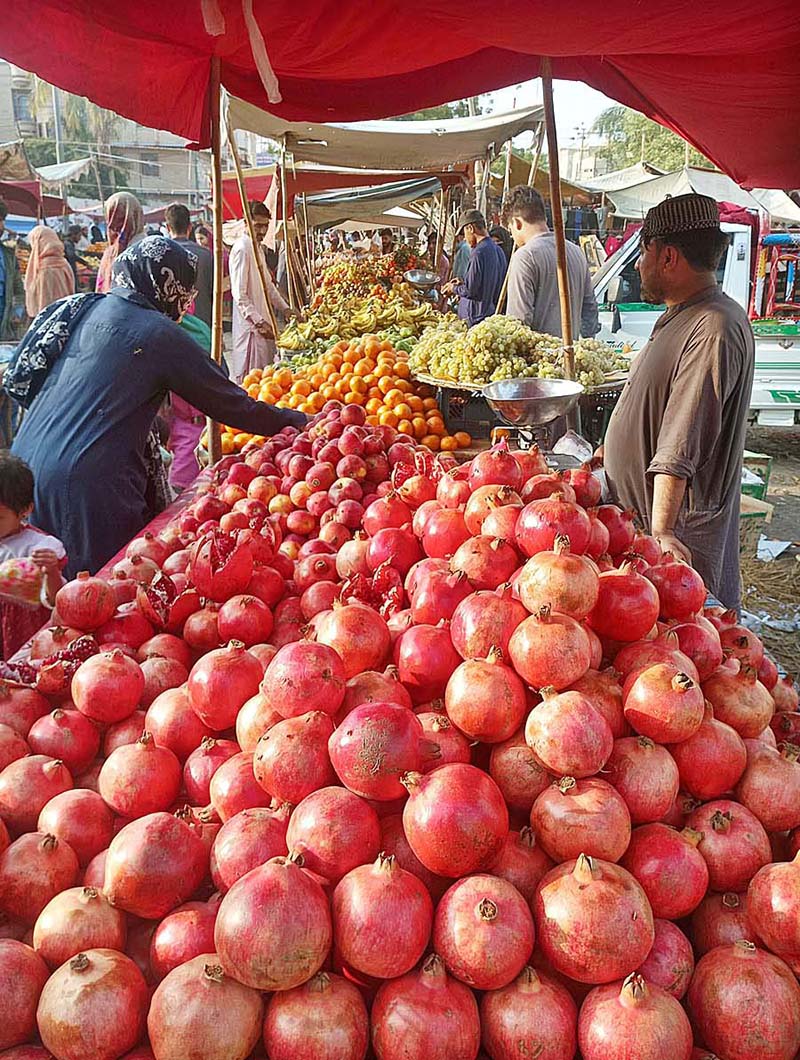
[11,521]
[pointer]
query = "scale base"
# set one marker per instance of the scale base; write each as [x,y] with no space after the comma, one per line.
[526,437]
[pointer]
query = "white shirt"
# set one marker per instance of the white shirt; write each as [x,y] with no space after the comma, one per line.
[28,540]
[250,349]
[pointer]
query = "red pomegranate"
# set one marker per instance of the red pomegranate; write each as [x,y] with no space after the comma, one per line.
[425,658]
[140,778]
[612,1017]
[484,620]
[567,735]
[587,816]
[720,920]
[173,724]
[669,867]
[253,720]
[502,522]
[742,644]
[387,511]
[273,929]
[711,761]
[108,687]
[202,764]
[21,706]
[541,521]
[593,920]
[534,1013]
[739,699]
[453,744]
[700,641]
[485,699]
[12,746]
[80,818]
[445,532]
[382,918]
[784,695]
[603,690]
[303,677]
[234,788]
[586,485]
[66,735]
[598,536]
[772,908]
[201,630]
[184,934]
[93,1005]
[358,634]
[248,839]
[549,650]
[34,869]
[483,500]
[627,605]
[518,774]
[495,467]
[291,759]
[641,654]
[663,703]
[453,488]
[221,682]
[769,787]
[159,675]
[52,639]
[153,864]
[745,1003]
[645,775]
[488,562]
[670,963]
[436,596]
[681,591]
[325,1015]
[566,583]
[455,819]
[85,603]
[619,525]
[334,830]
[552,484]
[734,844]
[430,1013]
[521,862]
[198,1003]
[26,785]
[374,687]
[483,932]
[221,566]
[23,975]
[77,919]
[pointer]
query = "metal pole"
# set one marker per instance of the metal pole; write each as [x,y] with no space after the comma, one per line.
[56,122]
[558,219]
[212,427]
[257,254]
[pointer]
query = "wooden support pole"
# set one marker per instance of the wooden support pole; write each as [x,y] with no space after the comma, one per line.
[212,427]
[312,257]
[537,155]
[261,264]
[558,219]
[294,300]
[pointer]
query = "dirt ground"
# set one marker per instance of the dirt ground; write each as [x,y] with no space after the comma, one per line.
[771,597]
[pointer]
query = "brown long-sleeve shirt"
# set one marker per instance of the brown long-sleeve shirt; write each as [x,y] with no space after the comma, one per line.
[683,412]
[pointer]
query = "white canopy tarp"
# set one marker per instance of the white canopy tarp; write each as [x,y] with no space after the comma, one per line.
[624,178]
[350,204]
[635,201]
[60,172]
[397,218]
[421,145]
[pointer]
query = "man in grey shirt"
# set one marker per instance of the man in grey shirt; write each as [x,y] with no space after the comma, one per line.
[178,221]
[532,274]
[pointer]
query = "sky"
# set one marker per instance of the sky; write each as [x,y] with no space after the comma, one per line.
[575,104]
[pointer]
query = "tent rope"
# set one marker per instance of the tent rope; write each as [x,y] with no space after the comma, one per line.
[259,49]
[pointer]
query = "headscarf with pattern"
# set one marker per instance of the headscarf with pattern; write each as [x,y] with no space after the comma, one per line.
[161,272]
[125,223]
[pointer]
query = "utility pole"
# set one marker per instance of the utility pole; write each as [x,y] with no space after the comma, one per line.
[56,121]
[581,133]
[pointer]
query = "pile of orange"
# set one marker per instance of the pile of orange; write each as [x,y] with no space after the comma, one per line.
[367,371]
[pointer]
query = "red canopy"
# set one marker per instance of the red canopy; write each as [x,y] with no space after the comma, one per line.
[25,198]
[724,75]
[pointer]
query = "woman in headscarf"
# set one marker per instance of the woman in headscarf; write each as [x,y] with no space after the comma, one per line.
[48,276]
[125,227]
[92,372]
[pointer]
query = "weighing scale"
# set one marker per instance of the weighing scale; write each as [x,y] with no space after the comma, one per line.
[425,283]
[528,406]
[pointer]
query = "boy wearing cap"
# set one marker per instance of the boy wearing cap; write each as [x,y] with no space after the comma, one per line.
[673,449]
[479,290]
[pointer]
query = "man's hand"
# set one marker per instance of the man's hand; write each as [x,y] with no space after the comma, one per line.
[264,328]
[449,287]
[670,543]
[46,559]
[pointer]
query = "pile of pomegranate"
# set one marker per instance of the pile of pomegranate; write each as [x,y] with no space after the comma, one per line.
[370,754]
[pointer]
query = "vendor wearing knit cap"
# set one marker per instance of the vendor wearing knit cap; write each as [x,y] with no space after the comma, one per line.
[673,450]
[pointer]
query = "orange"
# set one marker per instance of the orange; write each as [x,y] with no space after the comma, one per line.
[401,368]
[373,406]
[403,410]
[393,397]
[351,355]
[357,385]
[253,390]
[386,345]
[437,427]
[374,392]
[370,379]
[226,442]
[430,404]
[405,427]
[372,346]
[448,443]
[388,418]
[336,358]
[364,366]
[385,384]
[415,403]
[403,385]
[301,387]
[354,399]
[372,421]
[328,392]
[284,377]
[464,440]
[420,427]
[432,442]
[316,380]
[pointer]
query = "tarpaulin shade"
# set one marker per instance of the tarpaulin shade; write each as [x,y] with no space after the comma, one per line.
[724,75]
[624,178]
[61,171]
[25,197]
[387,144]
[309,178]
[348,204]
[636,200]
[14,164]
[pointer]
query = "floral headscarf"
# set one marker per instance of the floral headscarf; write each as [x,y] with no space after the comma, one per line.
[125,222]
[161,272]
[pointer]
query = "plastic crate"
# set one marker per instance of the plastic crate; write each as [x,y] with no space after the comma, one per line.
[595,408]
[465,411]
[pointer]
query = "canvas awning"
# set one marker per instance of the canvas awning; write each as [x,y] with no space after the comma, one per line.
[61,172]
[624,178]
[25,197]
[350,204]
[635,201]
[396,218]
[420,145]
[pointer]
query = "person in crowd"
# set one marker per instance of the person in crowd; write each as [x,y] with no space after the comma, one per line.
[532,272]
[203,237]
[20,540]
[253,338]
[92,372]
[502,237]
[479,290]
[71,251]
[334,241]
[83,238]
[461,257]
[673,449]
[186,423]
[179,221]
[11,286]
[95,234]
[125,224]
[48,276]
[387,241]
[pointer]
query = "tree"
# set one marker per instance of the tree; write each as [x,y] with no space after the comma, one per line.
[458,109]
[630,137]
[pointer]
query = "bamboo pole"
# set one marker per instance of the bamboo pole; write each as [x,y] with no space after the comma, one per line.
[536,157]
[294,302]
[558,219]
[312,257]
[261,264]
[212,427]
